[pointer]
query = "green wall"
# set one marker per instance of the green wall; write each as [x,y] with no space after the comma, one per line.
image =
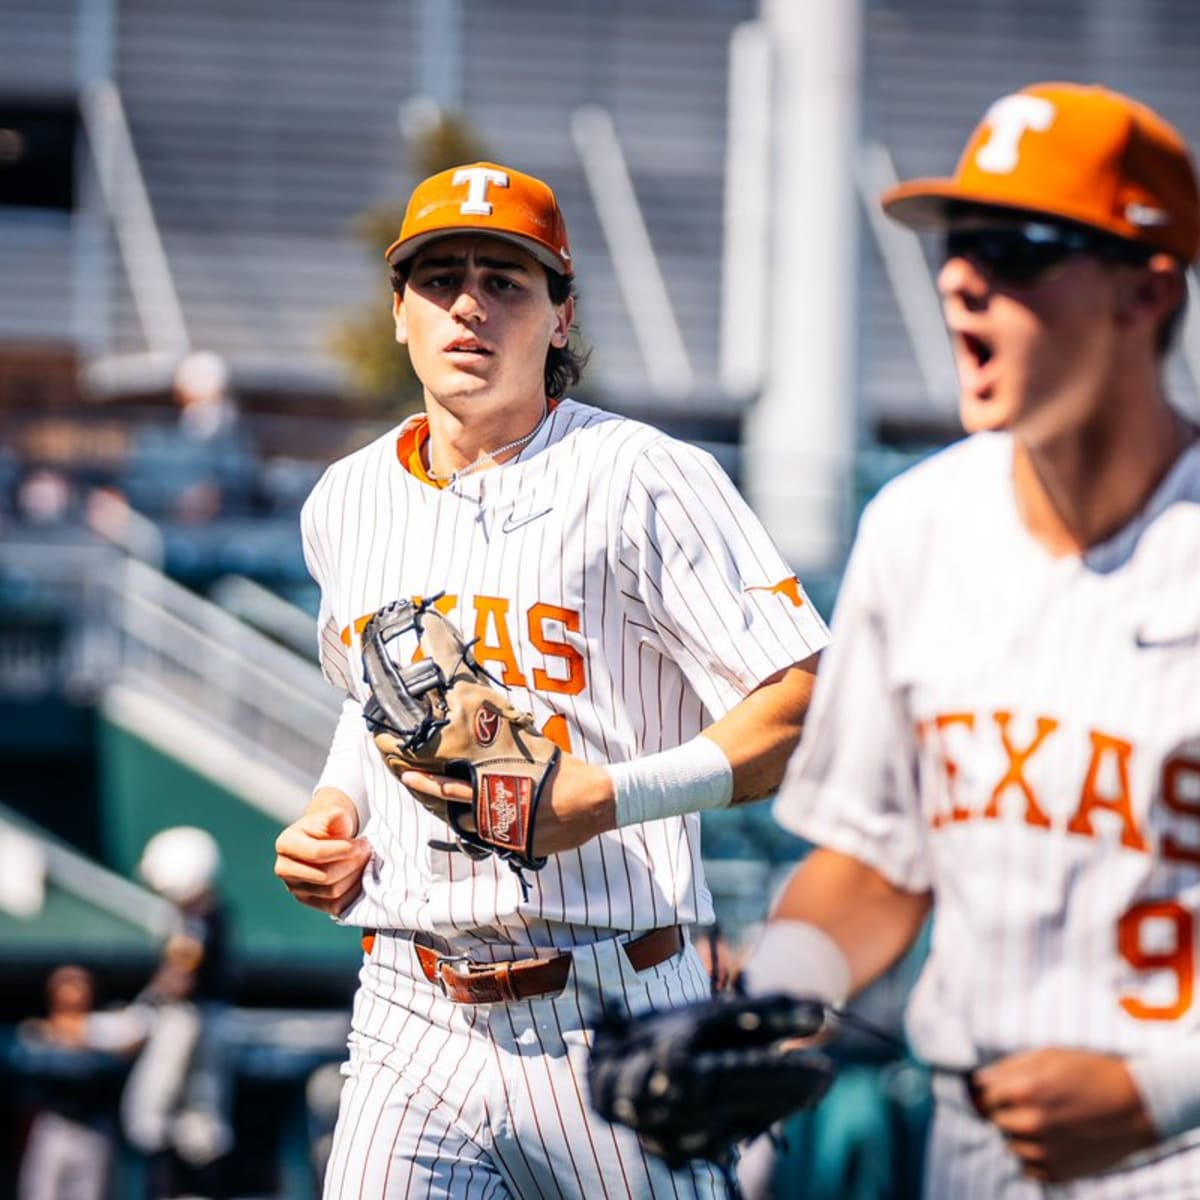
[141,790]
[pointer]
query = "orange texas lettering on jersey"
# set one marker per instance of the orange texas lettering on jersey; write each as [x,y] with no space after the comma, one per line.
[563,670]
[1105,786]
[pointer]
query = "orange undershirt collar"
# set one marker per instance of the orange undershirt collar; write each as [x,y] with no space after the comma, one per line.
[410,448]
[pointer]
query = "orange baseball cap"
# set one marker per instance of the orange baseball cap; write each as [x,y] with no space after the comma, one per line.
[484,197]
[1082,153]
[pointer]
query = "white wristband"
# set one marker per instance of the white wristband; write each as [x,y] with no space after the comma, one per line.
[691,778]
[1170,1085]
[799,959]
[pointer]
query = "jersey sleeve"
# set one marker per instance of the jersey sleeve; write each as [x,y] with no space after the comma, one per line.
[851,784]
[718,597]
[320,559]
[343,768]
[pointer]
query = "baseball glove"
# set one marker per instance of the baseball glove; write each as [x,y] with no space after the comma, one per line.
[442,714]
[696,1080]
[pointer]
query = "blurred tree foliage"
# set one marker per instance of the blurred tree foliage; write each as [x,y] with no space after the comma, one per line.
[366,340]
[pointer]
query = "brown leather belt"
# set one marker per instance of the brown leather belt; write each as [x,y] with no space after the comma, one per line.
[467,982]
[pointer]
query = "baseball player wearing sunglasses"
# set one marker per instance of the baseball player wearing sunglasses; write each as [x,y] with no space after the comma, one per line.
[1006,732]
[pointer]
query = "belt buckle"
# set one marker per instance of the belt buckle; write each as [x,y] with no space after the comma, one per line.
[452,959]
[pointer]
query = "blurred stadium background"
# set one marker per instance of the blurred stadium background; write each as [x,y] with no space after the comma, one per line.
[219,177]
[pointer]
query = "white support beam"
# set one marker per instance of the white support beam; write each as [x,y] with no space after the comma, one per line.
[639,277]
[913,286]
[801,434]
[744,266]
[128,204]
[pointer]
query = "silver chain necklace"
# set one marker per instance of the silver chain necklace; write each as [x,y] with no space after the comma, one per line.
[484,455]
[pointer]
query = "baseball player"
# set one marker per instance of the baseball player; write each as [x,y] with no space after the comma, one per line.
[1007,729]
[624,594]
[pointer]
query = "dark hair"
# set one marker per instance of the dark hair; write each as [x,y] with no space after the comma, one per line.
[564,364]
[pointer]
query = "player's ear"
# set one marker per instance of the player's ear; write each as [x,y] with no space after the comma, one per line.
[564,318]
[399,317]
[1155,291]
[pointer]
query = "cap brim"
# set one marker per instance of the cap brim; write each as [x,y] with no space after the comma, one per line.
[927,204]
[921,203]
[401,251]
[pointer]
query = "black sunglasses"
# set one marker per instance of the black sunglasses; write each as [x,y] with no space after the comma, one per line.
[1021,254]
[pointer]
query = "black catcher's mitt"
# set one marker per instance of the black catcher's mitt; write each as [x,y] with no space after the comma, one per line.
[696,1080]
[443,714]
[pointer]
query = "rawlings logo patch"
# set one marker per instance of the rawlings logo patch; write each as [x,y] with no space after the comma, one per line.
[487,725]
[504,802]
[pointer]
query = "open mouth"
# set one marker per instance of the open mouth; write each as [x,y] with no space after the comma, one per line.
[979,350]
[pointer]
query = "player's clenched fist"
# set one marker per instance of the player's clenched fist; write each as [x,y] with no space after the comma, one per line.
[319,858]
[1064,1113]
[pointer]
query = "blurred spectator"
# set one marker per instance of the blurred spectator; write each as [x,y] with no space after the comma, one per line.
[322,1095]
[45,497]
[206,465]
[177,1104]
[183,865]
[201,389]
[108,514]
[78,1057]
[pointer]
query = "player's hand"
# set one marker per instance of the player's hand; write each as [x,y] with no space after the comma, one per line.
[720,963]
[1064,1113]
[319,858]
[578,803]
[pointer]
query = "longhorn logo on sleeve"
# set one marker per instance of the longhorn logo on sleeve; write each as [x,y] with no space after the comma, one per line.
[788,588]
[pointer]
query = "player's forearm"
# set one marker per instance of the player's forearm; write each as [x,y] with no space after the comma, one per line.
[759,734]
[741,757]
[872,921]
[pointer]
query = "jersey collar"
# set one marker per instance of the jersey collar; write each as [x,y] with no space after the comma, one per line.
[412,440]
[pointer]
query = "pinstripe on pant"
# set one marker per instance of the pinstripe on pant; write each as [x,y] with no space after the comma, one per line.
[487,1101]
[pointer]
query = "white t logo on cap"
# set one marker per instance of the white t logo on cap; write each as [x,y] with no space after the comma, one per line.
[1009,118]
[478,179]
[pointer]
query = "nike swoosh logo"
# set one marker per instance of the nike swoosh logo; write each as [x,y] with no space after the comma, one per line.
[1144,641]
[511,523]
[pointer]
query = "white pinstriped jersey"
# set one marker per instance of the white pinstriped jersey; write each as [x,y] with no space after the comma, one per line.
[624,593]
[1021,733]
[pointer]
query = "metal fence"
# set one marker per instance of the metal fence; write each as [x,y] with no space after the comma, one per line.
[80,618]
